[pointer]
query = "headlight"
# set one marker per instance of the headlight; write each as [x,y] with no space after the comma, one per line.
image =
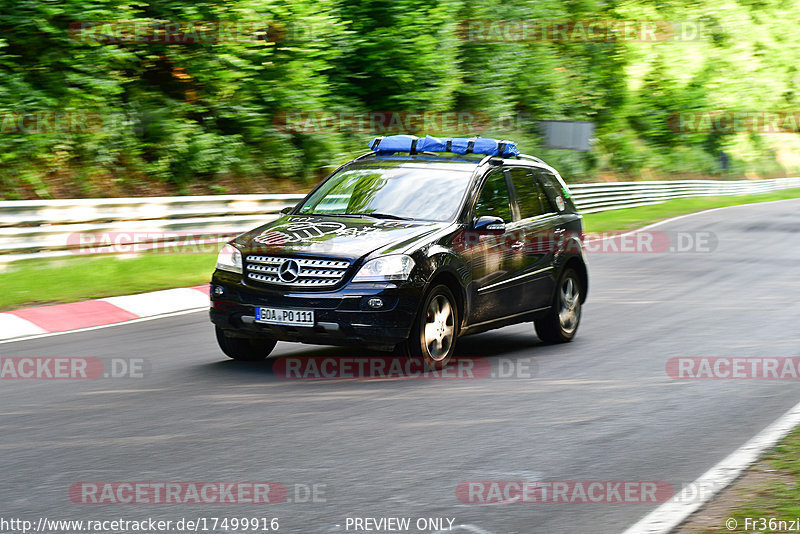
[396,267]
[230,259]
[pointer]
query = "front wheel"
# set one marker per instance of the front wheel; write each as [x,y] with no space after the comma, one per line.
[245,349]
[561,322]
[433,336]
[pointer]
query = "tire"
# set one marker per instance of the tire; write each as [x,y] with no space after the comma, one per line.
[245,349]
[432,339]
[561,322]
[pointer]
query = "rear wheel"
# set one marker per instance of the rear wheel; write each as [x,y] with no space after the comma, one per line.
[561,322]
[433,336]
[245,349]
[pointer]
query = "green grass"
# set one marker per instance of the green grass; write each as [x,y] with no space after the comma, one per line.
[779,495]
[69,279]
[626,219]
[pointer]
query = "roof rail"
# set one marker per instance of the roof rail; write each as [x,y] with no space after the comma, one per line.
[423,153]
[532,158]
[362,156]
[485,160]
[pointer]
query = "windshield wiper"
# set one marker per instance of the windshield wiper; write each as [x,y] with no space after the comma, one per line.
[375,215]
[378,215]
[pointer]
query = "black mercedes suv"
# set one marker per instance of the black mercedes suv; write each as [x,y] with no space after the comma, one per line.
[407,252]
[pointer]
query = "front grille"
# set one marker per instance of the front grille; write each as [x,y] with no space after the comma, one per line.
[312,272]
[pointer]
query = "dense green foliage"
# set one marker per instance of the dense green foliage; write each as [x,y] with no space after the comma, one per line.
[181,115]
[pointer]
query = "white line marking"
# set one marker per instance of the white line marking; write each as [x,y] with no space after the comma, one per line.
[672,513]
[685,215]
[679,217]
[12,326]
[469,528]
[88,328]
[161,302]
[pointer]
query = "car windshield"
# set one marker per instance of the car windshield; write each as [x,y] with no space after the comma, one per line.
[417,193]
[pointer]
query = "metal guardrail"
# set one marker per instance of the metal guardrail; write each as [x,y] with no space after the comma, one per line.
[42,228]
[596,197]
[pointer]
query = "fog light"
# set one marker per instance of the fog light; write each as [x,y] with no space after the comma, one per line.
[375,303]
[218,291]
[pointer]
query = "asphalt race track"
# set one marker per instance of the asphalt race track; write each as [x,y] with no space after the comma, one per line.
[601,408]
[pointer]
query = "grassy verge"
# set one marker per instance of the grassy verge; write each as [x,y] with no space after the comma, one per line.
[770,490]
[35,282]
[69,279]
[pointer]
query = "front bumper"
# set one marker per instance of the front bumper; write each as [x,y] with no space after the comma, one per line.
[342,317]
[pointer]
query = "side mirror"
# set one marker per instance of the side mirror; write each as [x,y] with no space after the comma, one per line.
[489,225]
[287,209]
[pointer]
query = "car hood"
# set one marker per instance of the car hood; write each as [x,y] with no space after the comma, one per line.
[332,236]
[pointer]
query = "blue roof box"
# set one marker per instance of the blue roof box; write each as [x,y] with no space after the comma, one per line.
[457,145]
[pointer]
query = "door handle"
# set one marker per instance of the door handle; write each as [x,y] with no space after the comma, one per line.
[559,239]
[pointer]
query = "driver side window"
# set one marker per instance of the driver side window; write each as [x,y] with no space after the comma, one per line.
[494,199]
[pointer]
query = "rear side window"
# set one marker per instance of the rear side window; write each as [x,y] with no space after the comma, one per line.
[530,197]
[558,197]
[494,199]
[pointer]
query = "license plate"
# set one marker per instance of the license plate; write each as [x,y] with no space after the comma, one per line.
[285,317]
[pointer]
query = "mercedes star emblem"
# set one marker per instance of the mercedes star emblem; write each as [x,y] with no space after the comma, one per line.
[289,271]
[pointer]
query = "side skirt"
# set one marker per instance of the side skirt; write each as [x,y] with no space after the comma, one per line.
[523,317]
